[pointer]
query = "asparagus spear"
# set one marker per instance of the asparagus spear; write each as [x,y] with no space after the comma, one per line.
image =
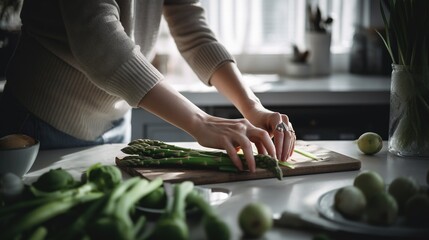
[152,153]
[114,222]
[214,226]
[172,224]
[47,211]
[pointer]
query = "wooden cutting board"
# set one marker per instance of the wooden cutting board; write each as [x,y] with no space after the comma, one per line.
[329,161]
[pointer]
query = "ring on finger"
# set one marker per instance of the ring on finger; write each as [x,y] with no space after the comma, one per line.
[281,127]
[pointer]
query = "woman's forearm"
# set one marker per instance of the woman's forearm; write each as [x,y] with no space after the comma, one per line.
[228,81]
[167,103]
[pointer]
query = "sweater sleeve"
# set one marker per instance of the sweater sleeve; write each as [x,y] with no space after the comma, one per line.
[194,39]
[104,51]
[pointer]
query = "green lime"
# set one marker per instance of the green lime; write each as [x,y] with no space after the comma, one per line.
[350,202]
[402,189]
[370,183]
[370,143]
[417,210]
[382,209]
[255,219]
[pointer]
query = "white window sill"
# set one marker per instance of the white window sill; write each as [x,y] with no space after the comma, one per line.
[275,63]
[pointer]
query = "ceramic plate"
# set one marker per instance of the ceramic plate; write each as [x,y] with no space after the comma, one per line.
[326,209]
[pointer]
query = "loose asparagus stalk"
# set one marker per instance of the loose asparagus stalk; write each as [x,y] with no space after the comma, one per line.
[152,153]
[115,221]
[307,154]
[39,233]
[47,211]
[97,208]
[172,224]
[214,226]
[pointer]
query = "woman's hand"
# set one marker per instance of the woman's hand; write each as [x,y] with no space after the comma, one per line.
[227,80]
[228,134]
[279,127]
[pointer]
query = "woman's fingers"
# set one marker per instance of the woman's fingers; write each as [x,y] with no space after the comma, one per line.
[246,146]
[292,140]
[232,153]
[288,146]
[293,147]
[289,140]
[262,141]
[229,134]
[261,149]
[284,136]
[279,138]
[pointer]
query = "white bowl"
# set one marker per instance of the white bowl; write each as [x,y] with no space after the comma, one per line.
[18,160]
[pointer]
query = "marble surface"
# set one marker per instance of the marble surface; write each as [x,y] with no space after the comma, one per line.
[296,193]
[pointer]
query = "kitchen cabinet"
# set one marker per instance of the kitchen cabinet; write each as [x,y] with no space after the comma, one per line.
[310,122]
[337,107]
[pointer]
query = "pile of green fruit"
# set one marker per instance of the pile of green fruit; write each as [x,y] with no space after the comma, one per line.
[371,201]
[99,206]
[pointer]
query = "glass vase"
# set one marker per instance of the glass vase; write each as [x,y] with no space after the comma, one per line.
[409,112]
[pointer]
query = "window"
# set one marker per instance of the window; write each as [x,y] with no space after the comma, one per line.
[260,33]
[272,26]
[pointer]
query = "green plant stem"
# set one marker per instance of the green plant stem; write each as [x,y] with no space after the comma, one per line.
[127,201]
[55,196]
[39,233]
[214,226]
[77,229]
[114,221]
[306,154]
[172,224]
[46,212]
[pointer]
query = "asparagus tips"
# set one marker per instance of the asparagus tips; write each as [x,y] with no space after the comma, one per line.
[153,153]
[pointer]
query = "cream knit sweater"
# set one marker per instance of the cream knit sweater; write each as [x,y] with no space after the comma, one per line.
[80,64]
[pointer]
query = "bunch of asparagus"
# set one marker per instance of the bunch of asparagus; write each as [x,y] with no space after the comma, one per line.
[153,153]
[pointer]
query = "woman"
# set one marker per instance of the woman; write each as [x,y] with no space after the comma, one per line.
[81,65]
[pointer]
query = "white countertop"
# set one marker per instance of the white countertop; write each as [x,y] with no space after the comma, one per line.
[296,193]
[275,90]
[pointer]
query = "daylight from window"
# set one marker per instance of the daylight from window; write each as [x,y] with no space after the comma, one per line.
[272,26]
[261,33]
